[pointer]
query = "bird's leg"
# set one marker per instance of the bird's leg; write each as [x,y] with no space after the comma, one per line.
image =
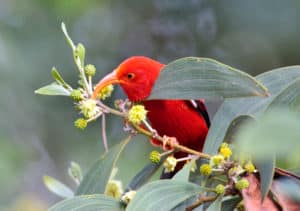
[169,142]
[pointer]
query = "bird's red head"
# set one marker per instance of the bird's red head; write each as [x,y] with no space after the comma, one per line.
[136,75]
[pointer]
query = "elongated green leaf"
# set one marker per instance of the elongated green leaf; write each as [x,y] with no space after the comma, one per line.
[184,173]
[194,78]
[290,97]
[163,195]
[230,204]
[277,132]
[216,205]
[75,172]
[96,179]
[97,202]
[143,176]
[57,187]
[58,78]
[183,205]
[53,89]
[266,170]
[275,80]
[68,38]
[235,126]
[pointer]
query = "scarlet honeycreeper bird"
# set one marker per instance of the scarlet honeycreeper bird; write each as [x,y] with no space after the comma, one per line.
[185,120]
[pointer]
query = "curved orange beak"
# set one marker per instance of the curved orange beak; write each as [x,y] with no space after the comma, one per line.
[111,78]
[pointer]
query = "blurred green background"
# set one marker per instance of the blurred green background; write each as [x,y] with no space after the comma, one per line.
[37,135]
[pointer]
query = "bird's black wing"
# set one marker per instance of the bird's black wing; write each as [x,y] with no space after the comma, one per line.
[201,109]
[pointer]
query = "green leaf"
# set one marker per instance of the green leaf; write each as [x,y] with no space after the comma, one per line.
[216,205]
[58,78]
[290,97]
[163,195]
[275,80]
[194,78]
[143,176]
[230,203]
[97,202]
[53,89]
[276,132]
[68,38]
[80,53]
[266,169]
[235,126]
[57,187]
[75,172]
[264,139]
[184,173]
[96,179]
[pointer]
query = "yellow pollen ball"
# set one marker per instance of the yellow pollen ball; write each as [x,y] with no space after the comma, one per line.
[225,151]
[105,92]
[170,164]
[205,169]
[137,114]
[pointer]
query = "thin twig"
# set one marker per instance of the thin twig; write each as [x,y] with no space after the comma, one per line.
[111,110]
[201,201]
[104,136]
[176,146]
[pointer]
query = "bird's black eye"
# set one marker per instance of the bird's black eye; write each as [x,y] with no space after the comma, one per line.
[130,76]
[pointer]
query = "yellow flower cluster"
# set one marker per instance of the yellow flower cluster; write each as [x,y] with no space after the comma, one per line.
[89,108]
[242,184]
[128,196]
[76,95]
[216,160]
[154,156]
[205,169]
[114,189]
[105,92]
[80,123]
[225,150]
[90,70]
[170,164]
[249,167]
[220,189]
[137,114]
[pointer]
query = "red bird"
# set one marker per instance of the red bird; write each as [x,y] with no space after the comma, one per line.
[186,120]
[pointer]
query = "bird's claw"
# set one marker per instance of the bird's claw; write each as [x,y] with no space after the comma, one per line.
[169,142]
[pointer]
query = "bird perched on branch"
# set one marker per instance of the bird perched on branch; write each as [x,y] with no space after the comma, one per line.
[186,120]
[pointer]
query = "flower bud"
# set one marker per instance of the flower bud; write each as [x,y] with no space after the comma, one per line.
[90,70]
[105,92]
[89,108]
[114,189]
[249,167]
[137,114]
[205,169]
[80,123]
[242,184]
[170,164]
[216,160]
[155,157]
[128,196]
[225,150]
[220,189]
[76,95]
